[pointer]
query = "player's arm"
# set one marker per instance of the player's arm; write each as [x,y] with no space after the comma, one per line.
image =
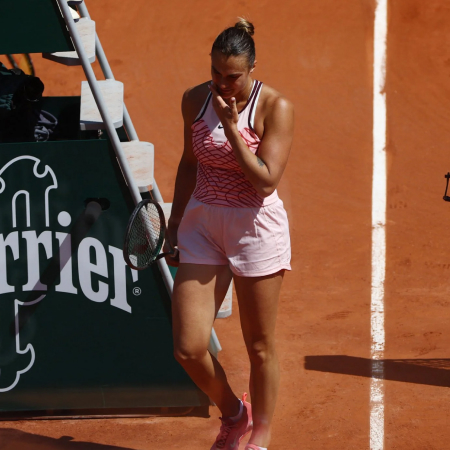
[264,170]
[187,168]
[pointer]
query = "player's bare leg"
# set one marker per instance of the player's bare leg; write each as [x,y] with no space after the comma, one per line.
[258,304]
[198,292]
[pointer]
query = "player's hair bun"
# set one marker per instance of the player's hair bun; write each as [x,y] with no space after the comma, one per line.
[236,41]
[244,24]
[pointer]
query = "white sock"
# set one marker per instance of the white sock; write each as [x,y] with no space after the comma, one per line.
[238,416]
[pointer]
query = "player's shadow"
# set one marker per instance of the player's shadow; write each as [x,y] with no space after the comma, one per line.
[11,439]
[432,372]
[78,232]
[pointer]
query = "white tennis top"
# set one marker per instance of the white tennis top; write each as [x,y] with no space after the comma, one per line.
[220,180]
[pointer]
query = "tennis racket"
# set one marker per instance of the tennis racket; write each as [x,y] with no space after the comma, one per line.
[22,61]
[446,197]
[144,236]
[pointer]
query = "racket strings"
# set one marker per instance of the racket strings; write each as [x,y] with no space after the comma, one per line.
[146,236]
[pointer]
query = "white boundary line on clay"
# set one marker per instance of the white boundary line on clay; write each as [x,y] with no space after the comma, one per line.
[378,228]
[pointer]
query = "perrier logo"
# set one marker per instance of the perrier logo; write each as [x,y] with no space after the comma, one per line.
[39,253]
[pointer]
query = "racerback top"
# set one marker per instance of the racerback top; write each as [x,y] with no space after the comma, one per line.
[220,180]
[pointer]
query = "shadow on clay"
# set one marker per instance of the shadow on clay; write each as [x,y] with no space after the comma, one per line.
[432,372]
[11,439]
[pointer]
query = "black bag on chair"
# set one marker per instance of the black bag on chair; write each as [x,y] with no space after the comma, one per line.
[21,117]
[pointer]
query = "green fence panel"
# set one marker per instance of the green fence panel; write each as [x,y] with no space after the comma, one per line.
[32,26]
[78,328]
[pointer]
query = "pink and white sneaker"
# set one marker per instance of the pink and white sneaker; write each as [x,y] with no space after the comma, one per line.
[231,433]
[252,447]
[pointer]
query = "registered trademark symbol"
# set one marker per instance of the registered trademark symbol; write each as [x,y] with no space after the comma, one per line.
[137,291]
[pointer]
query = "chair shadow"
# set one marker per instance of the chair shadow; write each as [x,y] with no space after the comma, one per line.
[432,372]
[11,439]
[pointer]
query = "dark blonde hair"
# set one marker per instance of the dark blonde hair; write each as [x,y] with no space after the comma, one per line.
[237,40]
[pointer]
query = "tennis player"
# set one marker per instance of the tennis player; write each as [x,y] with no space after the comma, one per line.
[229,222]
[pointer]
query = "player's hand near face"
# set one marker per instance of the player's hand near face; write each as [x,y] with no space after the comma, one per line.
[227,114]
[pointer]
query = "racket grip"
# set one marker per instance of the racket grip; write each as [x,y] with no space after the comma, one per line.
[172,257]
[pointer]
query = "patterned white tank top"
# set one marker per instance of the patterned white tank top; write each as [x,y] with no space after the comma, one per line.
[220,180]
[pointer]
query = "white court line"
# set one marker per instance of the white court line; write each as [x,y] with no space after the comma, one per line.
[378,228]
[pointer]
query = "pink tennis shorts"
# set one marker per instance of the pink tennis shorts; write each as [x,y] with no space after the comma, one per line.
[252,241]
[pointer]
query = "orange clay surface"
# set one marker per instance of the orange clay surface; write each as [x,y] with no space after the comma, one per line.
[319,55]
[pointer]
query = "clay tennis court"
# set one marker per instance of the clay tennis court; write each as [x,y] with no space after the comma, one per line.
[319,55]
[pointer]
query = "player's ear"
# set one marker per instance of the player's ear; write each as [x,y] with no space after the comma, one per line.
[254,66]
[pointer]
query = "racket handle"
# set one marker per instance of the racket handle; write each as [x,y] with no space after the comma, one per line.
[173,254]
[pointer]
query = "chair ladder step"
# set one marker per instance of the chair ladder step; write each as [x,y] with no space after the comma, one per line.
[141,157]
[112,92]
[86,30]
[73,11]
[75,15]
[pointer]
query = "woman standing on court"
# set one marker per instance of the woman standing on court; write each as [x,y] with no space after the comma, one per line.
[228,221]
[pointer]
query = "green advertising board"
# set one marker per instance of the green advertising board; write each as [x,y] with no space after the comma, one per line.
[32,26]
[79,330]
